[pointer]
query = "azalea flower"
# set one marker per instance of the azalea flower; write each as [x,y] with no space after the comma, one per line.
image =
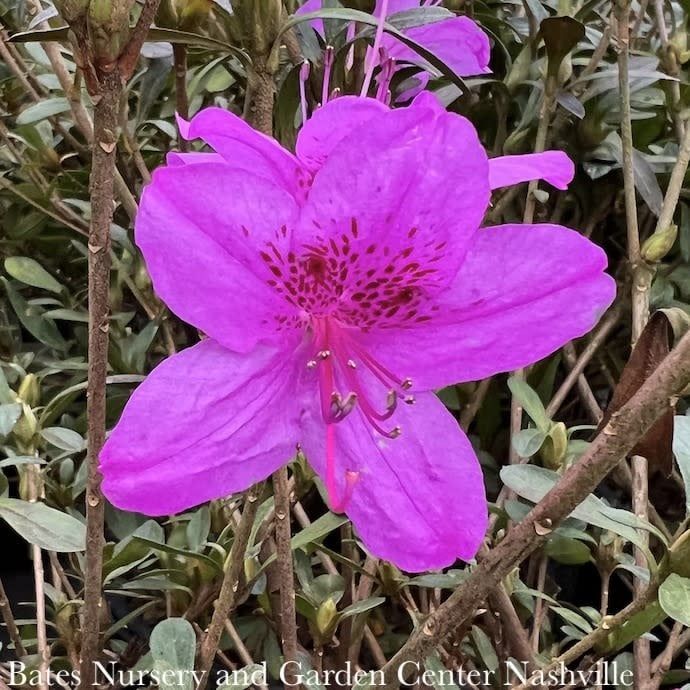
[457,40]
[338,288]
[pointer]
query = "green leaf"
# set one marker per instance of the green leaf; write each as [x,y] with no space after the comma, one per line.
[42,110]
[485,648]
[9,416]
[64,439]
[362,606]
[43,526]
[30,272]
[674,598]
[173,646]
[318,529]
[528,441]
[34,321]
[567,551]
[439,674]
[530,401]
[681,449]
[533,483]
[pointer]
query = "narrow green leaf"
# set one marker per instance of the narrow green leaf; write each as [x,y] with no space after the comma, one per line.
[46,527]
[30,272]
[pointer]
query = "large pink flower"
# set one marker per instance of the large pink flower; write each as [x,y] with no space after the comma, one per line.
[338,288]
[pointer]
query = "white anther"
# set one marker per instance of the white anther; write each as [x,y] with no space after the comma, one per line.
[351,363]
[311,364]
[406,384]
[395,432]
[409,400]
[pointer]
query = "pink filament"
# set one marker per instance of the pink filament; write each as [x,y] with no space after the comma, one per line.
[327,66]
[371,62]
[303,76]
[338,503]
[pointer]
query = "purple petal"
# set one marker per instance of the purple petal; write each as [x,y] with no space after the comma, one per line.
[522,292]
[552,166]
[330,124]
[202,229]
[419,499]
[414,182]
[395,6]
[246,149]
[206,423]
[177,158]
[458,41]
[313,6]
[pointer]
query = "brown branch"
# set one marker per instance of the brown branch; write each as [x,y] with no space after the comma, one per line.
[130,55]
[10,622]
[288,625]
[102,191]
[617,439]
[227,598]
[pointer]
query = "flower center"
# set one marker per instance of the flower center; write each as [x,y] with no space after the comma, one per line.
[362,284]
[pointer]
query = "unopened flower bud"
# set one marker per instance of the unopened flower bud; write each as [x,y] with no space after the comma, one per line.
[108,25]
[25,429]
[658,245]
[327,618]
[30,390]
[192,13]
[555,446]
[609,549]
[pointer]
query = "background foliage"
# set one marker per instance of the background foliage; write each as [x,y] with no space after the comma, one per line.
[350,606]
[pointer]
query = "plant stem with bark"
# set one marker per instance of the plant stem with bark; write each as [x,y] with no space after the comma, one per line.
[640,307]
[102,197]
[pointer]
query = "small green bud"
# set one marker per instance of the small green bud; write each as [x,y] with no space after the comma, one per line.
[610,547]
[555,446]
[108,25]
[658,245]
[30,390]
[327,618]
[25,429]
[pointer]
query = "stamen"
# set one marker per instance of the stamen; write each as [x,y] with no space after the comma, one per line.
[311,364]
[303,77]
[375,50]
[327,66]
[409,400]
[351,363]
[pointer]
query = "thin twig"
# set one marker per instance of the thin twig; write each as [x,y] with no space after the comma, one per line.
[288,623]
[10,622]
[227,598]
[640,306]
[596,341]
[35,491]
